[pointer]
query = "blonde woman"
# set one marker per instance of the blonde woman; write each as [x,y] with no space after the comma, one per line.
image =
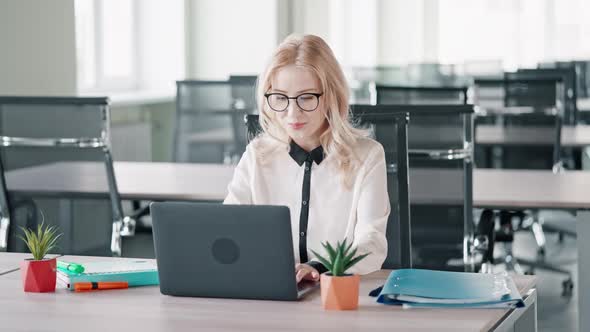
[311,159]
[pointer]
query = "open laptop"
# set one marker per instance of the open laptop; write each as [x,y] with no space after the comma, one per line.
[229,251]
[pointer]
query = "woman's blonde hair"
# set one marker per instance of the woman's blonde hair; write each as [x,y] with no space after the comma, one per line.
[339,137]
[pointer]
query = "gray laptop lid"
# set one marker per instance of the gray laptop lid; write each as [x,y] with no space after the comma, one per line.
[230,251]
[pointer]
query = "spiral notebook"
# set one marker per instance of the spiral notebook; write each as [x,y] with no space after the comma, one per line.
[135,272]
[430,288]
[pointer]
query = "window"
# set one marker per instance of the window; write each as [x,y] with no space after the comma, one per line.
[107,44]
[570,29]
[519,33]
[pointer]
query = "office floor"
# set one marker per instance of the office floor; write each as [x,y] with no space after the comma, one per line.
[555,313]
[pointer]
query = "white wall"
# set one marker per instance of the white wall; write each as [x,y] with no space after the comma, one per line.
[37,47]
[401,37]
[162,49]
[231,37]
[354,33]
[312,17]
[372,32]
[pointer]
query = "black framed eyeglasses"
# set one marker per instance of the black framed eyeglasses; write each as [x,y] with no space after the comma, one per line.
[307,102]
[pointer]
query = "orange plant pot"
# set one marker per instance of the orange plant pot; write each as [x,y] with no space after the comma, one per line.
[340,293]
[38,276]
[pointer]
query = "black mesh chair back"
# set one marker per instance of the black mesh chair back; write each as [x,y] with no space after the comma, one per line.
[568,95]
[244,91]
[389,129]
[209,114]
[420,95]
[440,140]
[36,131]
[530,117]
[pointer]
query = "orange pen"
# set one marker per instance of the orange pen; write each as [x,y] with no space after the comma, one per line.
[90,286]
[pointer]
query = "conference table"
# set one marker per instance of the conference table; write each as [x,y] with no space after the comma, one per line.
[170,181]
[145,309]
[577,136]
[155,181]
[571,136]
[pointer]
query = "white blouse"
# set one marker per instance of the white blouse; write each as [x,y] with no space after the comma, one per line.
[334,212]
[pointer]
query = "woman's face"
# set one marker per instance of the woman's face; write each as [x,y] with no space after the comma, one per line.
[304,127]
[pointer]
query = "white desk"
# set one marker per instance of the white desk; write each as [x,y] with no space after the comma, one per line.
[208,182]
[145,309]
[571,136]
[8,262]
[584,104]
[136,180]
[153,181]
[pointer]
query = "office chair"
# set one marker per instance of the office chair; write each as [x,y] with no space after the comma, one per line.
[440,150]
[8,208]
[419,95]
[567,77]
[244,95]
[362,80]
[359,80]
[209,115]
[540,107]
[389,129]
[582,71]
[523,107]
[39,130]
[566,100]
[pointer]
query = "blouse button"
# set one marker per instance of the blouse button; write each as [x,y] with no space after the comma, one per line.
[302,234]
[304,202]
[307,168]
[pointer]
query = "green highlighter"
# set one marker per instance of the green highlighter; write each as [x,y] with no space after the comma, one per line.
[72,267]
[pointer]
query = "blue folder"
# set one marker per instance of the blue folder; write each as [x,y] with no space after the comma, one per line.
[429,288]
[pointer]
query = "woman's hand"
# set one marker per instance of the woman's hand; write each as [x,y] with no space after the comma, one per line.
[306,272]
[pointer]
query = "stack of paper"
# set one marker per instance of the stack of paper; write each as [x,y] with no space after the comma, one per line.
[429,288]
[135,272]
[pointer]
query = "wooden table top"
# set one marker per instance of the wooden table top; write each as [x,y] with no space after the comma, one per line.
[208,182]
[571,136]
[145,309]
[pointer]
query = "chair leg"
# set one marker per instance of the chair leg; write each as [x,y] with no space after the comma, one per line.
[510,261]
[5,222]
[560,237]
[116,239]
[545,266]
[136,205]
[4,228]
[537,228]
[128,226]
[485,240]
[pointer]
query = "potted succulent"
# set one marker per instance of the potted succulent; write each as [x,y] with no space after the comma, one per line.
[340,291]
[38,273]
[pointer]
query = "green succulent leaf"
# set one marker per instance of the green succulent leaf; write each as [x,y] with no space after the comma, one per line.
[41,241]
[340,258]
[338,267]
[331,251]
[351,255]
[323,260]
[346,247]
[355,260]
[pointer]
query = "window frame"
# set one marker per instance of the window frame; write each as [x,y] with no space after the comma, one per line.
[103,83]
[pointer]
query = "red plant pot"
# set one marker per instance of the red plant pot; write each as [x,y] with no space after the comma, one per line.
[38,276]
